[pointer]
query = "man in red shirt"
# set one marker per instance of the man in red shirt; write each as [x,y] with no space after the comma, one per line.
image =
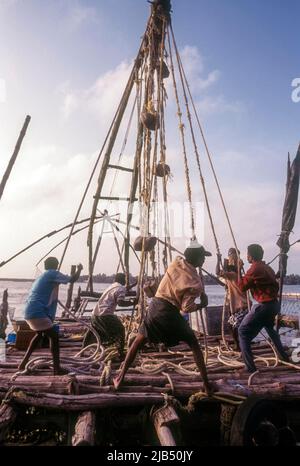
[260,279]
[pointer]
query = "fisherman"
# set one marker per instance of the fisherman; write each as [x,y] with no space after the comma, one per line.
[104,321]
[163,323]
[236,300]
[40,310]
[260,279]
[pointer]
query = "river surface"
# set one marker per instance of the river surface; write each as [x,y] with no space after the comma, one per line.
[18,292]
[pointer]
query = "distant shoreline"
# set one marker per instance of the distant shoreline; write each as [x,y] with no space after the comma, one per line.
[16,279]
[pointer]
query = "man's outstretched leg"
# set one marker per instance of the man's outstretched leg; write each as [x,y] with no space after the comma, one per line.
[199,360]
[54,345]
[31,348]
[274,335]
[130,357]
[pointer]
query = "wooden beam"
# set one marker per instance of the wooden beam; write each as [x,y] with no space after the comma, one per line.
[164,419]
[85,430]
[110,198]
[119,167]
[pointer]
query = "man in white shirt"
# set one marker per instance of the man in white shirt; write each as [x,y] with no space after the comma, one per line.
[108,326]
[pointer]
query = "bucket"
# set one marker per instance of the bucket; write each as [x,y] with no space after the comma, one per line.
[11,338]
[212,317]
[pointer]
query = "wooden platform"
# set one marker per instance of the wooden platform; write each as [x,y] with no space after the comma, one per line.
[158,375]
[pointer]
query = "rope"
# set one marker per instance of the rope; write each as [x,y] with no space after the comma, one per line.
[193,138]
[181,129]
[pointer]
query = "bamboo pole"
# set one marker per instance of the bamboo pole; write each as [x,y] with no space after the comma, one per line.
[48,235]
[14,156]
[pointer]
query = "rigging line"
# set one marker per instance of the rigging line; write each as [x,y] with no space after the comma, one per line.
[161,103]
[159,99]
[149,169]
[179,63]
[65,239]
[99,241]
[181,128]
[208,154]
[87,187]
[123,236]
[48,235]
[173,249]
[164,183]
[298,241]
[117,245]
[211,163]
[114,130]
[123,146]
[135,105]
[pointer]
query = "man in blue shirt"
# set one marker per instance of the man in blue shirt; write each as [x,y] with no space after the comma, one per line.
[41,307]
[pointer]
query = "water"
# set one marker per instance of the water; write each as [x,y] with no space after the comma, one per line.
[18,292]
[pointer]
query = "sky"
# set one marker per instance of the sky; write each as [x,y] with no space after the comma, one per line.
[66,62]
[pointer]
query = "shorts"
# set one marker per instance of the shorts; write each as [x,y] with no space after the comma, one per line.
[163,323]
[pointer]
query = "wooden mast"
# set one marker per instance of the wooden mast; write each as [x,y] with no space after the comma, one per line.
[15,155]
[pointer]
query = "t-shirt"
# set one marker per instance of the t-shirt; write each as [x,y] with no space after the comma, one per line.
[261,280]
[109,300]
[181,285]
[43,296]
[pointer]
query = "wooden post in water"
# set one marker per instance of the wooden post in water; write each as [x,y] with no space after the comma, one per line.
[70,292]
[3,315]
[15,155]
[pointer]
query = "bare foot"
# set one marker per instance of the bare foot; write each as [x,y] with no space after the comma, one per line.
[117,382]
[210,388]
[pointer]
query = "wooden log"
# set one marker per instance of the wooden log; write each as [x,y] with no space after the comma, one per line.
[65,385]
[164,419]
[3,315]
[85,402]
[7,417]
[85,430]
[90,388]
[70,292]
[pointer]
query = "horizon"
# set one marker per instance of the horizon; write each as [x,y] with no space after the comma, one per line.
[243,73]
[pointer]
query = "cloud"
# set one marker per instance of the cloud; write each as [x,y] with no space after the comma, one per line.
[200,83]
[79,15]
[218,104]
[5,4]
[70,104]
[193,64]
[101,98]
